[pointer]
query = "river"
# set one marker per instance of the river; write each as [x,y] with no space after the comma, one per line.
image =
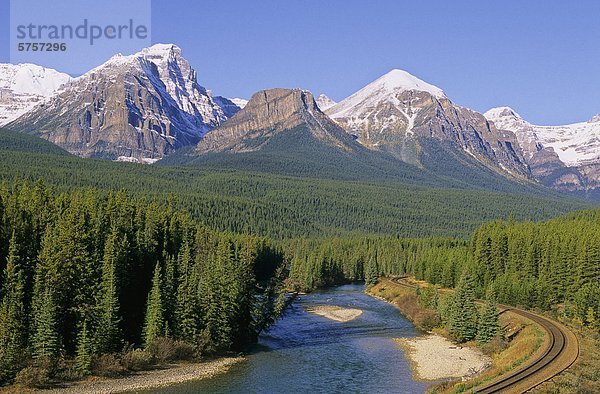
[307,353]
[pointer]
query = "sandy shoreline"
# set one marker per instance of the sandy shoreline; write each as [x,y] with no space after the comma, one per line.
[434,357]
[336,313]
[144,380]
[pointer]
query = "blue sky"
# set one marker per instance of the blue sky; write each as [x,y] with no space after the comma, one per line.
[540,57]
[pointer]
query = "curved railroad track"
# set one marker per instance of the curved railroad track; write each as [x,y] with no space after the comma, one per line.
[562,349]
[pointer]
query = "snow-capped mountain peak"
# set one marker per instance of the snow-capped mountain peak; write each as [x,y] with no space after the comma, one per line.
[398,113]
[140,106]
[404,81]
[22,86]
[31,79]
[160,50]
[506,118]
[164,65]
[390,88]
[324,102]
[575,144]
[159,54]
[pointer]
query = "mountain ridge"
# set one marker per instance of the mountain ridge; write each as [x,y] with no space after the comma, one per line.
[25,85]
[134,108]
[283,131]
[271,111]
[148,105]
[397,110]
[565,157]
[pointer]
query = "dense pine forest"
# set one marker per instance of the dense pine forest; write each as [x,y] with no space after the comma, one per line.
[537,265]
[86,275]
[281,207]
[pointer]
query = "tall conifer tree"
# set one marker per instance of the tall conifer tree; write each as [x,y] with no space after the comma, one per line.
[489,322]
[154,325]
[108,333]
[13,323]
[463,318]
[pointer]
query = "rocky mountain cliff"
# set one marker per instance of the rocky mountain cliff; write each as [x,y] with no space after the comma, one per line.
[283,131]
[133,108]
[23,86]
[563,157]
[399,113]
[268,113]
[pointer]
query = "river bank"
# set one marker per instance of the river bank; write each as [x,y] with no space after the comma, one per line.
[522,341]
[166,376]
[434,357]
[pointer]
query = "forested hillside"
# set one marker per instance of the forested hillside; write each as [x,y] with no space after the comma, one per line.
[283,206]
[295,153]
[85,273]
[536,265]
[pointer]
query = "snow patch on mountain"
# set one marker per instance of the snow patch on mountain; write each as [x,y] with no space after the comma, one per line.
[324,102]
[240,102]
[22,86]
[595,118]
[575,144]
[410,116]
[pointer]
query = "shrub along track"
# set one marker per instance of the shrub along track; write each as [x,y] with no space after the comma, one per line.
[561,351]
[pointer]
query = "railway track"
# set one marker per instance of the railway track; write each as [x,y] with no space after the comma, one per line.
[560,353]
[562,349]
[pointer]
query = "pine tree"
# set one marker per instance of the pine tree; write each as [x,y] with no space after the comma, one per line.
[108,333]
[274,301]
[154,326]
[428,297]
[489,322]
[67,272]
[482,254]
[85,350]
[170,284]
[215,291]
[228,286]
[12,316]
[372,274]
[245,256]
[498,254]
[45,338]
[463,318]
[187,314]
[588,262]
